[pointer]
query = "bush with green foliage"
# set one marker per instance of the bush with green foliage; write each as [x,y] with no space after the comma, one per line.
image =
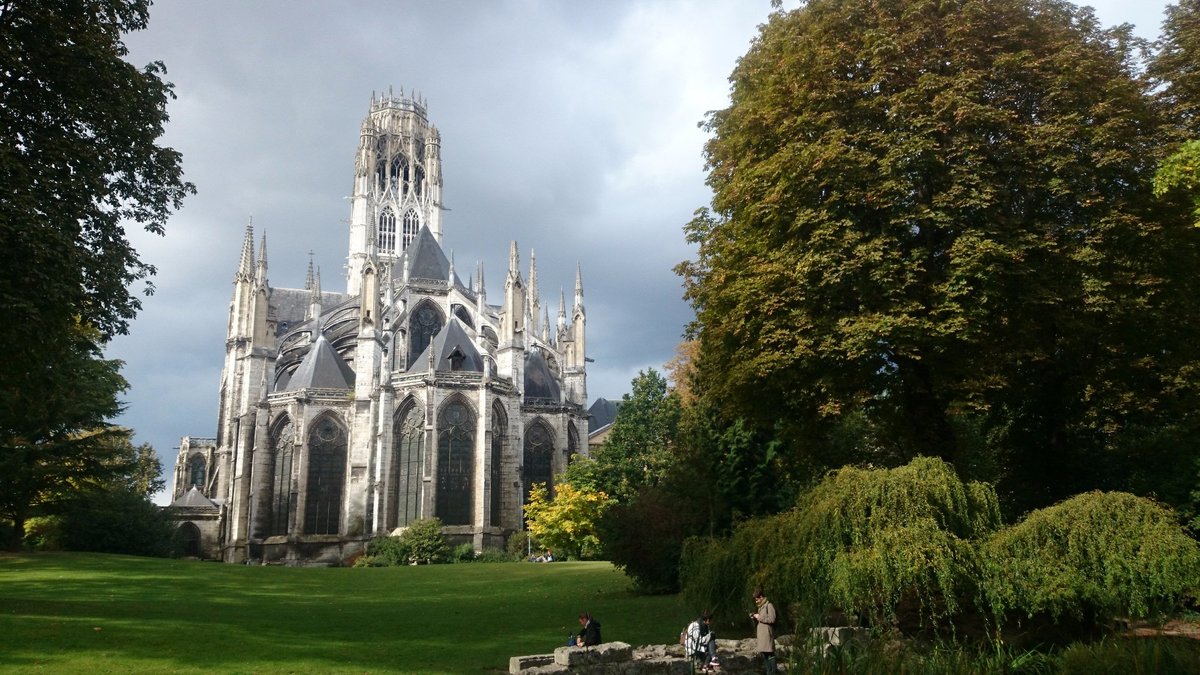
[869,542]
[464,552]
[1095,555]
[116,521]
[520,545]
[421,543]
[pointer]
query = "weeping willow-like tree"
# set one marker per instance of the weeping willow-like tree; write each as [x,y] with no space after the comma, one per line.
[915,548]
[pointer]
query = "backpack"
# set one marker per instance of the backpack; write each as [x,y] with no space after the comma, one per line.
[695,638]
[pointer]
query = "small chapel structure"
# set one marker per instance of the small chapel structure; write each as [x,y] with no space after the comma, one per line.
[344,416]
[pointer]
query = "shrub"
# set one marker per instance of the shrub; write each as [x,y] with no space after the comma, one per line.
[385,551]
[464,552]
[867,542]
[519,545]
[421,542]
[116,521]
[493,555]
[1096,555]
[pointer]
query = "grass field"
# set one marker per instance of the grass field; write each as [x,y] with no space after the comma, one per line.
[90,613]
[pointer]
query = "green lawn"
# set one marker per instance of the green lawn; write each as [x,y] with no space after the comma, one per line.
[75,613]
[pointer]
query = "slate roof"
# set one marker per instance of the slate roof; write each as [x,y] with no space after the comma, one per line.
[291,304]
[602,413]
[452,337]
[427,260]
[540,383]
[322,368]
[194,499]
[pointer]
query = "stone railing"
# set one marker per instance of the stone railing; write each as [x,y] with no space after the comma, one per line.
[619,658]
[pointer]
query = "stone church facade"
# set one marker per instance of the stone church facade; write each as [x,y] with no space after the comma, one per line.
[344,416]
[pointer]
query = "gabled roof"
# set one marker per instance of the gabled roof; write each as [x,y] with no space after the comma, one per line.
[194,499]
[540,383]
[322,368]
[427,260]
[450,343]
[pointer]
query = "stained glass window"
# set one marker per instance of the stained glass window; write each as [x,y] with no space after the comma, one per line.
[196,471]
[282,497]
[408,443]
[456,464]
[499,429]
[539,448]
[426,321]
[326,473]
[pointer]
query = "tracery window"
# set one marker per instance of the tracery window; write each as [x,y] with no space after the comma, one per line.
[408,444]
[539,449]
[326,474]
[400,173]
[499,430]
[196,471]
[412,225]
[426,322]
[387,231]
[456,464]
[282,497]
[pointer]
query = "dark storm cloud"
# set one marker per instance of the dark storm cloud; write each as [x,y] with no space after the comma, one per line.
[569,127]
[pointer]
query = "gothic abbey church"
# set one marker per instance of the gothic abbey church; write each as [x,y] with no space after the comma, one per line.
[344,416]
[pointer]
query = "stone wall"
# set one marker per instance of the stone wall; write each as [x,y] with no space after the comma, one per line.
[619,658]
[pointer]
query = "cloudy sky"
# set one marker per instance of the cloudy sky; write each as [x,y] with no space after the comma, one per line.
[570,127]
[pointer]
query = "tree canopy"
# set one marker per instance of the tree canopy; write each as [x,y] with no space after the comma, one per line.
[79,162]
[933,232]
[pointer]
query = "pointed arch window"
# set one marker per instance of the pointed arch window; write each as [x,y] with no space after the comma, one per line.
[326,473]
[412,225]
[419,180]
[386,238]
[283,497]
[456,464]
[400,173]
[572,442]
[408,444]
[426,322]
[380,171]
[196,471]
[496,475]
[539,449]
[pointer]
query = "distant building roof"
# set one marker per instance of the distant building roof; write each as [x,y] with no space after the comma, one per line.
[602,413]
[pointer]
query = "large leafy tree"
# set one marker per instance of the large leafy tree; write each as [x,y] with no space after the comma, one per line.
[79,161]
[933,227]
[638,450]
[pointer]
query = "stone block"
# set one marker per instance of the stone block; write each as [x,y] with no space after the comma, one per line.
[520,664]
[609,652]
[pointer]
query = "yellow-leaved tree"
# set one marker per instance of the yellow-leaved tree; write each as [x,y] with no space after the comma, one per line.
[566,523]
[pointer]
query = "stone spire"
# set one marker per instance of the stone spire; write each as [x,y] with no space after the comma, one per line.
[260,272]
[245,270]
[535,303]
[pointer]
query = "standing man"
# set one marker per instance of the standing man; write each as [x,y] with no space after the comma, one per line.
[764,618]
